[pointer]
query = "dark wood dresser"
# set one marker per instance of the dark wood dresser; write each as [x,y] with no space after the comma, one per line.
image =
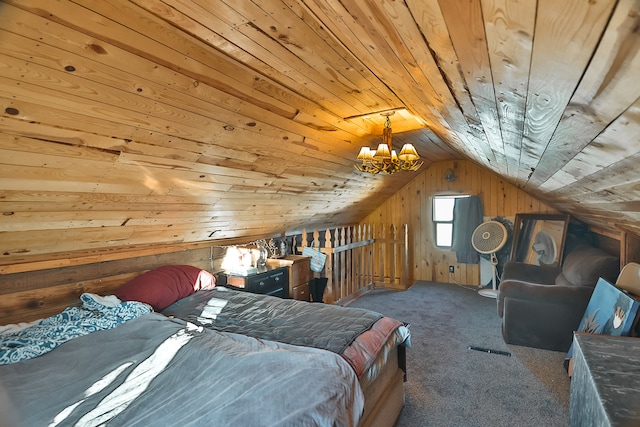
[269,280]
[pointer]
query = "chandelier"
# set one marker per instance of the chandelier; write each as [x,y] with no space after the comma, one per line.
[384,158]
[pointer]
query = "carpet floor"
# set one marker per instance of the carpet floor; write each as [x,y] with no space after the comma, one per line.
[450,385]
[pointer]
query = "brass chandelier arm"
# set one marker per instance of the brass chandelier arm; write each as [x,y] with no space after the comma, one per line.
[388,167]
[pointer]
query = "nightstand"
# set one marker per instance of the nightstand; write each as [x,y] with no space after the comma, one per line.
[299,274]
[269,280]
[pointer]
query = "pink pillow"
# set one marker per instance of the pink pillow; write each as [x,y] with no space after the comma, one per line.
[165,285]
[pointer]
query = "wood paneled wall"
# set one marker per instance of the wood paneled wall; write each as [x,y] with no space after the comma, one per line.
[412,205]
[30,295]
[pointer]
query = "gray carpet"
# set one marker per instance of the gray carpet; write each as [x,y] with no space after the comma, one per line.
[450,385]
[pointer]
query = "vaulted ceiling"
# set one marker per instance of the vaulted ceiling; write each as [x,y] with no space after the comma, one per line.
[179,120]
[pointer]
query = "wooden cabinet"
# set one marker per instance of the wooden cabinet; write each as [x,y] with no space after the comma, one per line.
[271,280]
[299,274]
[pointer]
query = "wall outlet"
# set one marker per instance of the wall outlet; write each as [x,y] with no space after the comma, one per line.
[451,269]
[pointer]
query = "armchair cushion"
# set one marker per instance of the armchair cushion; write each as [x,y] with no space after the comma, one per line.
[585,264]
[541,306]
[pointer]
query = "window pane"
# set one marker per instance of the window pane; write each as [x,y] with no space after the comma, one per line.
[443,208]
[444,233]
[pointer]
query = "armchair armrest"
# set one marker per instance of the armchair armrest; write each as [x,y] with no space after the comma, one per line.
[568,296]
[530,273]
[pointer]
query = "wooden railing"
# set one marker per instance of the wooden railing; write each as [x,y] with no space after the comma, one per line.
[360,258]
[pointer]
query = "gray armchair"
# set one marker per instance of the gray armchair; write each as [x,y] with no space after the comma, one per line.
[541,306]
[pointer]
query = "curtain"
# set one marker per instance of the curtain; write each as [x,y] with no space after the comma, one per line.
[467,216]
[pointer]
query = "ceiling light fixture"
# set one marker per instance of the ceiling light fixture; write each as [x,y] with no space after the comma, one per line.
[384,159]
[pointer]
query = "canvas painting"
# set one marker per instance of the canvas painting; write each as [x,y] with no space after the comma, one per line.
[610,312]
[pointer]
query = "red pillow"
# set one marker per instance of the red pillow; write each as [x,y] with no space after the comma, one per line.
[163,286]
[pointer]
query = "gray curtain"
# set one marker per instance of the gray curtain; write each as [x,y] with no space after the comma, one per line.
[467,216]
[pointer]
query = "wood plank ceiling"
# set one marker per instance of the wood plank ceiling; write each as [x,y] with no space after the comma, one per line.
[131,122]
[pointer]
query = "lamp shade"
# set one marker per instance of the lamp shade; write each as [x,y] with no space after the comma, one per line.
[382,152]
[408,153]
[365,154]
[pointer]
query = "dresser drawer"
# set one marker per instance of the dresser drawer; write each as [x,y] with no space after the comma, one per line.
[275,283]
[301,292]
[301,271]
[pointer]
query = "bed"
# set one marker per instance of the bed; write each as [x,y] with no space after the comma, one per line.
[357,356]
[153,370]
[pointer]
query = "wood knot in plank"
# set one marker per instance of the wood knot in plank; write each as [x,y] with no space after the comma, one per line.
[97,49]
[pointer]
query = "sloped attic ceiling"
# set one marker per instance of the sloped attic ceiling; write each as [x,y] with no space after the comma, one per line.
[179,120]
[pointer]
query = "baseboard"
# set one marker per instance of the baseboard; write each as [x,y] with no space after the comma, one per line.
[354,296]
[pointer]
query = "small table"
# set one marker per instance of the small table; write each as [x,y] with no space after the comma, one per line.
[605,382]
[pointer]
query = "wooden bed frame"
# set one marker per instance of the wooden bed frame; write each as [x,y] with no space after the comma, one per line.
[384,397]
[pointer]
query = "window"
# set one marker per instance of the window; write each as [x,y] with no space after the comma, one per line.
[443,219]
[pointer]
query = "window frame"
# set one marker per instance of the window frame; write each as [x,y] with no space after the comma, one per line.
[436,222]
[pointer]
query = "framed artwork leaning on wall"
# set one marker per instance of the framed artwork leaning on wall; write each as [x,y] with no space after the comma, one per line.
[611,311]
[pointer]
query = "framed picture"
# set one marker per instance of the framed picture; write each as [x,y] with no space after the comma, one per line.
[539,239]
[610,311]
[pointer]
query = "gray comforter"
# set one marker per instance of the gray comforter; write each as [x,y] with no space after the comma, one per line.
[157,371]
[329,327]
